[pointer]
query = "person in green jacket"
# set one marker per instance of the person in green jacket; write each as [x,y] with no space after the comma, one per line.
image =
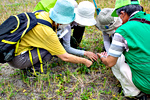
[132,40]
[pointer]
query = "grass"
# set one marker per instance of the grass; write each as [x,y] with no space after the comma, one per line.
[64,80]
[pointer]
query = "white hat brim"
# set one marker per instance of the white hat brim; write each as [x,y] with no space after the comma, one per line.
[84,21]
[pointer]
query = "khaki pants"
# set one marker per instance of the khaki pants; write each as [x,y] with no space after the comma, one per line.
[123,73]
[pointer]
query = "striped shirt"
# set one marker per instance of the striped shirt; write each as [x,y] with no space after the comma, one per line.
[118,45]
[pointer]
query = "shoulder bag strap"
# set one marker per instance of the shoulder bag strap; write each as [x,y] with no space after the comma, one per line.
[140,20]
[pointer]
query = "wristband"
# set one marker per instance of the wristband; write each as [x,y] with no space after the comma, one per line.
[103,56]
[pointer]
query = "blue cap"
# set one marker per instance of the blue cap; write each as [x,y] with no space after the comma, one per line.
[63,12]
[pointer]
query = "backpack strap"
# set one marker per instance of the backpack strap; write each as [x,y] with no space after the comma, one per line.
[31,60]
[41,21]
[140,20]
[40,59]
[38,11]
[41,63]
[44,22]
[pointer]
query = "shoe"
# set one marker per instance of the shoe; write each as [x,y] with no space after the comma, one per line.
[29,72]
[140,96]
[121,91]
[143,97]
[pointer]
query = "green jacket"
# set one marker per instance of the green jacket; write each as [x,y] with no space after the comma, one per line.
[45,5]
[137,35]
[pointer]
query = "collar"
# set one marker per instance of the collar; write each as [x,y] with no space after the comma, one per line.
[133,14]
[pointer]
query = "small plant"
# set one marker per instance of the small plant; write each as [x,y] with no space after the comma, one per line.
[1,67]
[87,94]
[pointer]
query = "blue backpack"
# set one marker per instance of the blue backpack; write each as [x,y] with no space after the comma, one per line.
[13,29]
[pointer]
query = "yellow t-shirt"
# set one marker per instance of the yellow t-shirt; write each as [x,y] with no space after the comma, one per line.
[42,36]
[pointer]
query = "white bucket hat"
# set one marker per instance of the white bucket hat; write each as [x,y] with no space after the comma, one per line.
[85,14]
[107,23]
[74,3]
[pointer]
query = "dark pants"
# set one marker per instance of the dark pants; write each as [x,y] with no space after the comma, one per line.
[22,61]
[77,36]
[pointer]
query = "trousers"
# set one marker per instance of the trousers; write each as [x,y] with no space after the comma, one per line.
[22,61]
[123,73]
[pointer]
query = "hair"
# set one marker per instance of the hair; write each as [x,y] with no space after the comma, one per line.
[129,9]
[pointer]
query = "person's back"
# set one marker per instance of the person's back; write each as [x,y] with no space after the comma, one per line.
[135,33]
[37,37]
